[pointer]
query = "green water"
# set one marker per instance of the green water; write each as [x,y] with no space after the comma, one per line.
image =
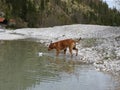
[21,68]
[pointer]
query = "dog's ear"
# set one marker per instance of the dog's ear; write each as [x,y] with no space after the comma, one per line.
[51,42]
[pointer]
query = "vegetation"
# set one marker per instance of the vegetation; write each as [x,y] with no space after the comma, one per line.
[43,13]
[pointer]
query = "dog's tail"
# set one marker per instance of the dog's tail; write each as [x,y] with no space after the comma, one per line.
[78,40]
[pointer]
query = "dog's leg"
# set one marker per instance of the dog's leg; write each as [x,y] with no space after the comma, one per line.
[70,50]
[76,51]
[74,48]
[65,51]
[57,52]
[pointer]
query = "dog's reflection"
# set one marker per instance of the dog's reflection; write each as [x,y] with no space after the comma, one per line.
[64,64]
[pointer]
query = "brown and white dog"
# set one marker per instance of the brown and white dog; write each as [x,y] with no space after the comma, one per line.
[63,45]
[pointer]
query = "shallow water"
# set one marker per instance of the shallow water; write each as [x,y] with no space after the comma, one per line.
[21,68]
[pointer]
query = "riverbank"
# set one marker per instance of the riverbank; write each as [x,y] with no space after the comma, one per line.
[100,45]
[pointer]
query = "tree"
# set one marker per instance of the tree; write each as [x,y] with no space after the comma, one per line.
[117,1]
[118,4]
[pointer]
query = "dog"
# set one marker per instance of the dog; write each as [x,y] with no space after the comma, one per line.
[63,45]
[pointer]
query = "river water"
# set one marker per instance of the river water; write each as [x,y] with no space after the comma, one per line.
[21,68]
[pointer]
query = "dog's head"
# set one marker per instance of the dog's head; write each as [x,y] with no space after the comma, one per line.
[51,46]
